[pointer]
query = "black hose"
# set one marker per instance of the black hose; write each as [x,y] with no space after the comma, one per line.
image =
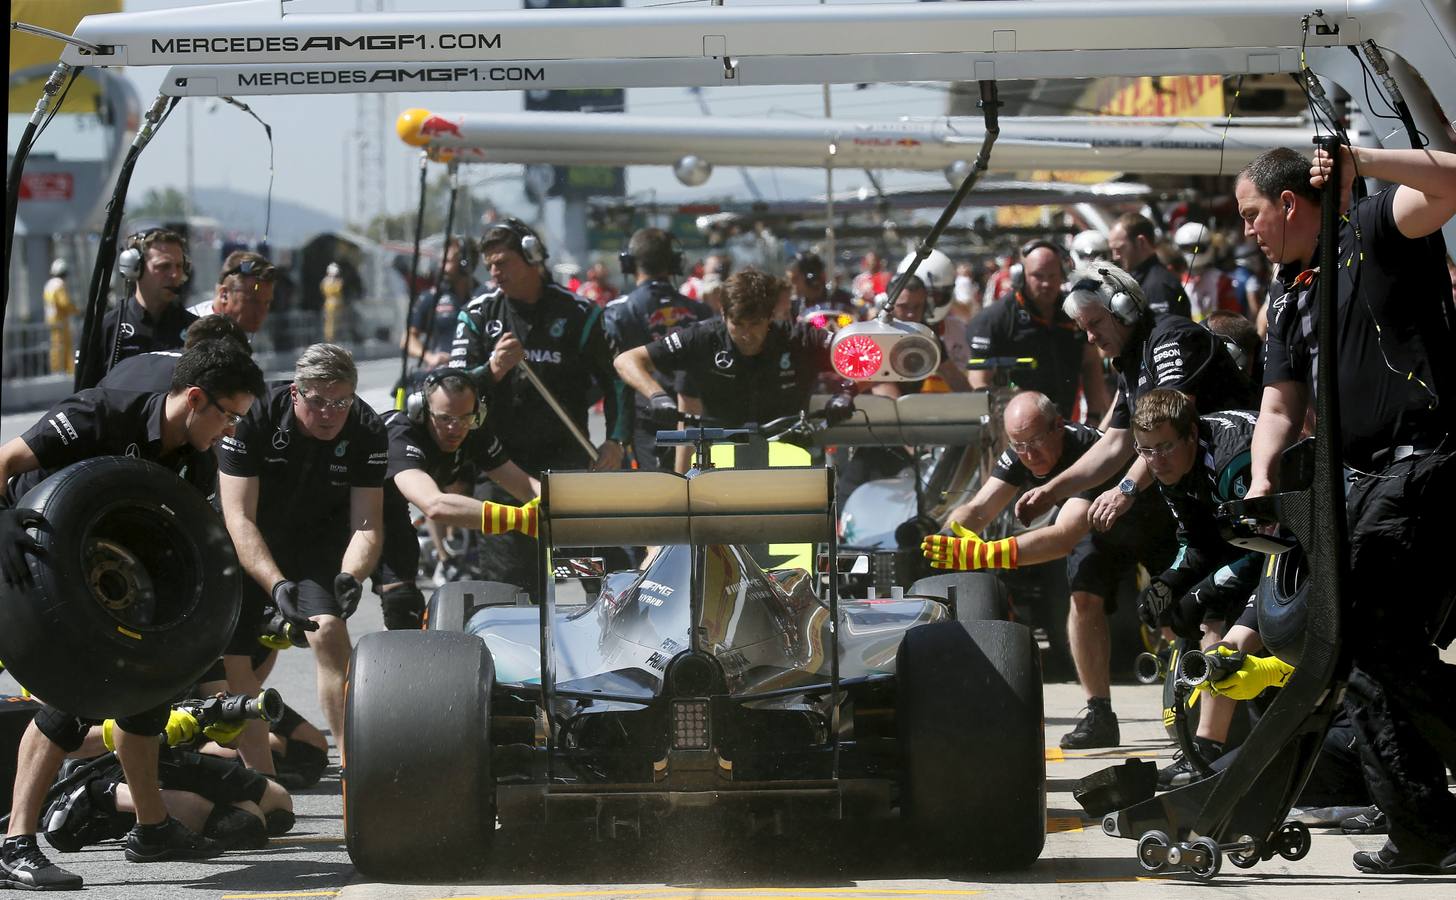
[444,254]
[409,289]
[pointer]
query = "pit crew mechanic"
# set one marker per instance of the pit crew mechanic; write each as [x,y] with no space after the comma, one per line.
[244,293]
[436,445]
[156,267]
[435,313]
[301,487]
[212,387]
[1030,322]
[805,274]
[1133,242]
[152,372]
[653,310]
[1042,445]
[1199,462]
[528,317]
[1397,384]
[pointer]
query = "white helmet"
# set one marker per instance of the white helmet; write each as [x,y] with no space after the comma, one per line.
[1090,246]
[59,268]
[938,274]
[1196,242]
[332,269]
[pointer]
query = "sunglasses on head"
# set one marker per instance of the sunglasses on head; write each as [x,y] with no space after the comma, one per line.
[256,268]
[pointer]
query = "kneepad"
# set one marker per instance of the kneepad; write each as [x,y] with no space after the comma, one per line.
[404,608]
[63,729]
[236,829]
[280,821]
[286,725]
[302,767]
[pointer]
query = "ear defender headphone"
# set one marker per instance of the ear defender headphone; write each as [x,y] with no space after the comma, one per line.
[1126,303]
[129,261]
[628,261]
[532,249]
[469,252]
[416,404]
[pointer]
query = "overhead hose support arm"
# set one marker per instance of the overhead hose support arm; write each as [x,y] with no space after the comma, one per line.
[991,106]
[414,274]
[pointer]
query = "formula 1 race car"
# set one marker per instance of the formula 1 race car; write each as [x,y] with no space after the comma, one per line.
[698,681]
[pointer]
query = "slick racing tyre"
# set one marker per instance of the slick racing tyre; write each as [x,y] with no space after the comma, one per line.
[969,723]
[1282,603]
[419,798]
[137,591]
[979,596]
[452,605]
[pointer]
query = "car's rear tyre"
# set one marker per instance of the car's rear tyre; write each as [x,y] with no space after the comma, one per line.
[969,720]
[979,596]
[419,797]
[452,605]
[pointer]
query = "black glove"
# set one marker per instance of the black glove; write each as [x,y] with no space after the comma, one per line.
[1185,616]
[16,542]
[1153,603]
[285,597]
[839,408]
[347,591]
[664,411]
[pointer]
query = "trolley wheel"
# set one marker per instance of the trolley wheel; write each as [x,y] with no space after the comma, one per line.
[1292,841]
[1151,849]
[1212,859]
[1247,859]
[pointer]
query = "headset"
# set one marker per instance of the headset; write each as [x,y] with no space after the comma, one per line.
[1126,301]
[469,253]
[530,244]
[129,261]
[628,261]
[810,265]
[416,405]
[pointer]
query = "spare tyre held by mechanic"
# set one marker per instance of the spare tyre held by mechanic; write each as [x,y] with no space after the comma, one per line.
[560,336]
[302,490]
[212,387]
[437,443]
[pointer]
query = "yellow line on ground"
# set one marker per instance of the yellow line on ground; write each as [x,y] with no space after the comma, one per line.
[1057,824]
[271,894]
[1108,754]
[1055,754]
[1107,880]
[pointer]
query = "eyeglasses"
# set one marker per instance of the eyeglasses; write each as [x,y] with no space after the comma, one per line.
[232,418]
[448,421]
[1034,444]
[324,404]
[1157,452]
[255,268]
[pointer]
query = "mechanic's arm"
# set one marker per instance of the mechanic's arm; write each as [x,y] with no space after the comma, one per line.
[636,369]
[1094,386]
[1281,416]
[514,479]
[366,518]
[1242,637]
[1104,459]
[1426,197]
[1057,540]
[16,458]
[979,379]
[239,498]
[994,496]
[440,507]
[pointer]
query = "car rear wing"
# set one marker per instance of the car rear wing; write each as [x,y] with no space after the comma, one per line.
[941,419]
[720,506]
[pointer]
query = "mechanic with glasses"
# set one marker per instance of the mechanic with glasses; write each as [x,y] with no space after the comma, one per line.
[212,384]
[244,291]
[1199,462]
[1042,444]
[302,491]
[437,444]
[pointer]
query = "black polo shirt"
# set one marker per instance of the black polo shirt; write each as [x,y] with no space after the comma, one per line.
[141,333]
[1009,327]
[143,372]
[412,447]
[106,422]
[1176,352]
[1398,324]
[653,310]
[738,389]
[1162,289]
[434,316]
[304,483]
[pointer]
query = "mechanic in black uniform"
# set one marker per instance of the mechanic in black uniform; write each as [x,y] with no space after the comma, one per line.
[1043,445]
[152,371]
[155,267]
[560,335]
[435,314]
[1199,462]
[1133,243]
[437,443]
[302,491]
[653,310]
[212,387]
[1397,404]
[1030,321]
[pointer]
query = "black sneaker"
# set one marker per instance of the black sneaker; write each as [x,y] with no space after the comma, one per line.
[1096,729]
[1389,861]
[24,866]
[168,841]
[1368,821]
[1182,771]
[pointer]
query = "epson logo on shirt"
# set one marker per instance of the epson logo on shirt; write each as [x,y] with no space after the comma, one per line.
[1167,363]
[63,428]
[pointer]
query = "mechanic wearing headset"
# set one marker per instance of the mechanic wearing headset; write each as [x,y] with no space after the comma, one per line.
[155,262]
[301,486]
[436,445]
[1029,321]
[213,386]
[1133,242]
[653,310]
[433,318]
[805,274]
[1397,405]
[528,317]
[1042,446]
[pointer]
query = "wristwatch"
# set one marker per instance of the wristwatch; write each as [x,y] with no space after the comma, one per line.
[1128,487]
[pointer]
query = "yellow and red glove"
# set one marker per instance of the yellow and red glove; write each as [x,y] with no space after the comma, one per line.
[498,518]
[966,551]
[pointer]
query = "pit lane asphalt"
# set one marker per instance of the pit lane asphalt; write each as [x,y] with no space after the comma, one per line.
[853,861]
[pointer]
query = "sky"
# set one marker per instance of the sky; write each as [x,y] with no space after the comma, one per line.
[316,141]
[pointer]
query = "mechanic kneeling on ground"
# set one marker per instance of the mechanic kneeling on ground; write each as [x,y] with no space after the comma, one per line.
[1043,445]
[1397,405]
[436,445]
[302,490]
[212,388]
[1199,462]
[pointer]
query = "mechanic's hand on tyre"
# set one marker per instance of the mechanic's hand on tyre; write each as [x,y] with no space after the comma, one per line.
[1256,675]
[966,551]
[839,408]
[16,542]
[1153,603]
[663,409]
[182,727]
[285,597]
[499,518]
[347,590]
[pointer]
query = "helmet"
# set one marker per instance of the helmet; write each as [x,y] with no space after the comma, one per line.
[1192,235]
[1089,246]
[333,269]
[939,275]
[59,268]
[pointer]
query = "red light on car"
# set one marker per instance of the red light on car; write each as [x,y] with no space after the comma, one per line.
[858,357]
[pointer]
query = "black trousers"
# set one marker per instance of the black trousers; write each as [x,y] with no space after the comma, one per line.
[1401,697]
